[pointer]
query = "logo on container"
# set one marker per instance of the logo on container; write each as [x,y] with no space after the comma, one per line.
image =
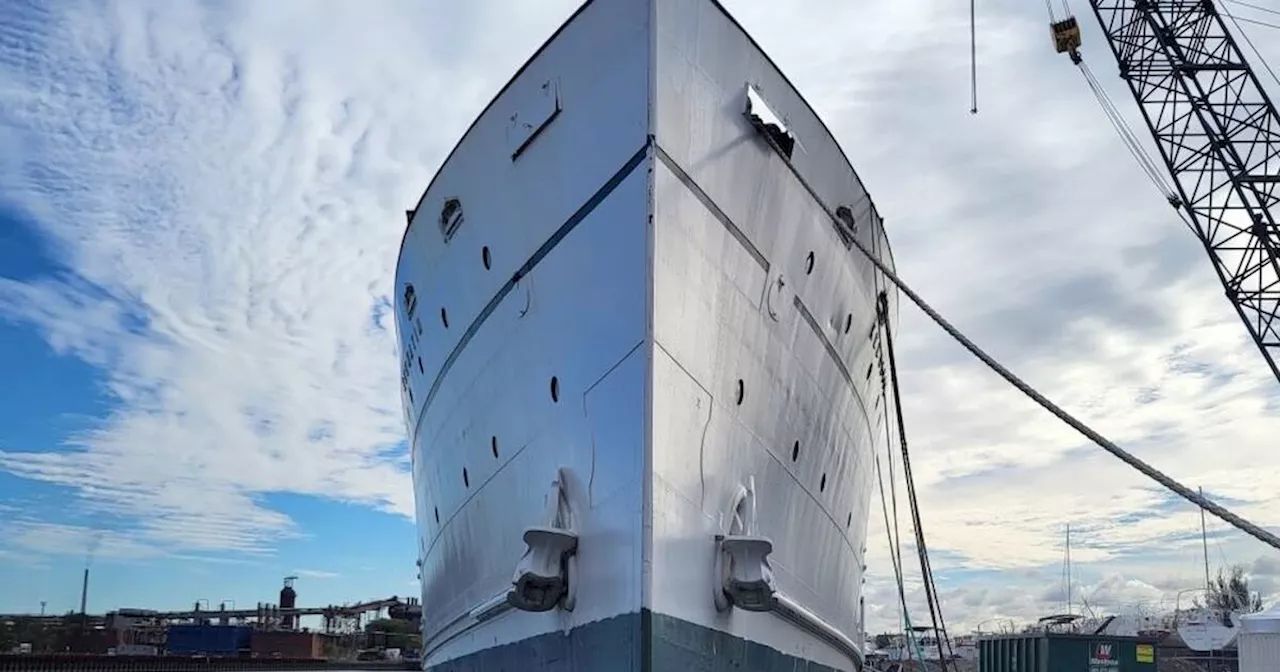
[1102,657]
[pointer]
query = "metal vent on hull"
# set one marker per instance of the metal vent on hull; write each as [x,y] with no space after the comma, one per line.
[450,217]
[765,120]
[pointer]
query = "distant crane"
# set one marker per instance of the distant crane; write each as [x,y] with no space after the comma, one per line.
[1218,133]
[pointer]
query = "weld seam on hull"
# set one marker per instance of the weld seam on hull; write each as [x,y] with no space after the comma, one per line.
[710,205]
[826,343]
[570,224]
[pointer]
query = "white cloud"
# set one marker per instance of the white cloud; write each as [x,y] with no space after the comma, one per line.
[45,538]
[227,186]
[316,574]
[228,190]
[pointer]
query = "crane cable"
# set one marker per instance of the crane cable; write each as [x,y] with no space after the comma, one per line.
[1133,144]
[1127,136]
[1261,59]
[1158,476]
[1130,139]
[973,57]
[1260,8]
[1122,128]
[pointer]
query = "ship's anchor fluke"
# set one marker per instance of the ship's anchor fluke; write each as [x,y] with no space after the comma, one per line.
[545,576]
[745,579]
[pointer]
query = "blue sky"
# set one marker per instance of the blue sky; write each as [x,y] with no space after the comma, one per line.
[343,553]
[200,206]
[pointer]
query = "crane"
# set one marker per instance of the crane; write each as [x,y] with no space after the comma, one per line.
[1217,131]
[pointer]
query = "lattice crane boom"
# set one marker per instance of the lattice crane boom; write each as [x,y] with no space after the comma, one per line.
[1219,135]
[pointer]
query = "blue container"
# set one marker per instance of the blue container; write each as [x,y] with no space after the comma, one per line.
[209,640]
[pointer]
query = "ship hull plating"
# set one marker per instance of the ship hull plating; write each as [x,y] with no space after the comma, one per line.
[623,642]
[619,285]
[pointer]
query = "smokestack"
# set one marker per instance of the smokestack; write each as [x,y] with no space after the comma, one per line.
[84,599]
[84,593]
[289,601]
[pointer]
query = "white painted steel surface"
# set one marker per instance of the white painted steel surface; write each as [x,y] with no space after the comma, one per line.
[1259,641]
[709,259]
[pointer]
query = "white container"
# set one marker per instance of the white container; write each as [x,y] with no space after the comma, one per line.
[1259,642]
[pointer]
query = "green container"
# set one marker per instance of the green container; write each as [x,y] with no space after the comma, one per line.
[1040,652]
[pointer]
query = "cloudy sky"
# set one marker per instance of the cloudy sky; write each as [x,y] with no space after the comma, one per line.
[200,206]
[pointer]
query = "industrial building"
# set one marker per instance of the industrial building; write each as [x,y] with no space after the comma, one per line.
[269,630]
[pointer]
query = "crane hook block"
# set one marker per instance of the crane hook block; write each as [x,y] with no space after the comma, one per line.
[1066,35]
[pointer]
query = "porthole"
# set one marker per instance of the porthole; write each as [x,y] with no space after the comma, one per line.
[808,264]
[742,391]
[848,521]
[848,322]
[493,445]
[869,372]
[795,451]
[466,480]
[484,256]
[822,485]
[420,370]
[444,318]
[437,510]
[555,389]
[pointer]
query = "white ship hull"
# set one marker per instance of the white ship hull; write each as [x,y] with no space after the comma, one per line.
[610,279]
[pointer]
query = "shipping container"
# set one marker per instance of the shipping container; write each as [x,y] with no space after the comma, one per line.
[136,650]
[1043,652]
[1259,642]
[96,641]
[209,640]
[287,644]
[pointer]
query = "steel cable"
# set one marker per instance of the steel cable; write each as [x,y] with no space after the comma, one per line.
[1158,476]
